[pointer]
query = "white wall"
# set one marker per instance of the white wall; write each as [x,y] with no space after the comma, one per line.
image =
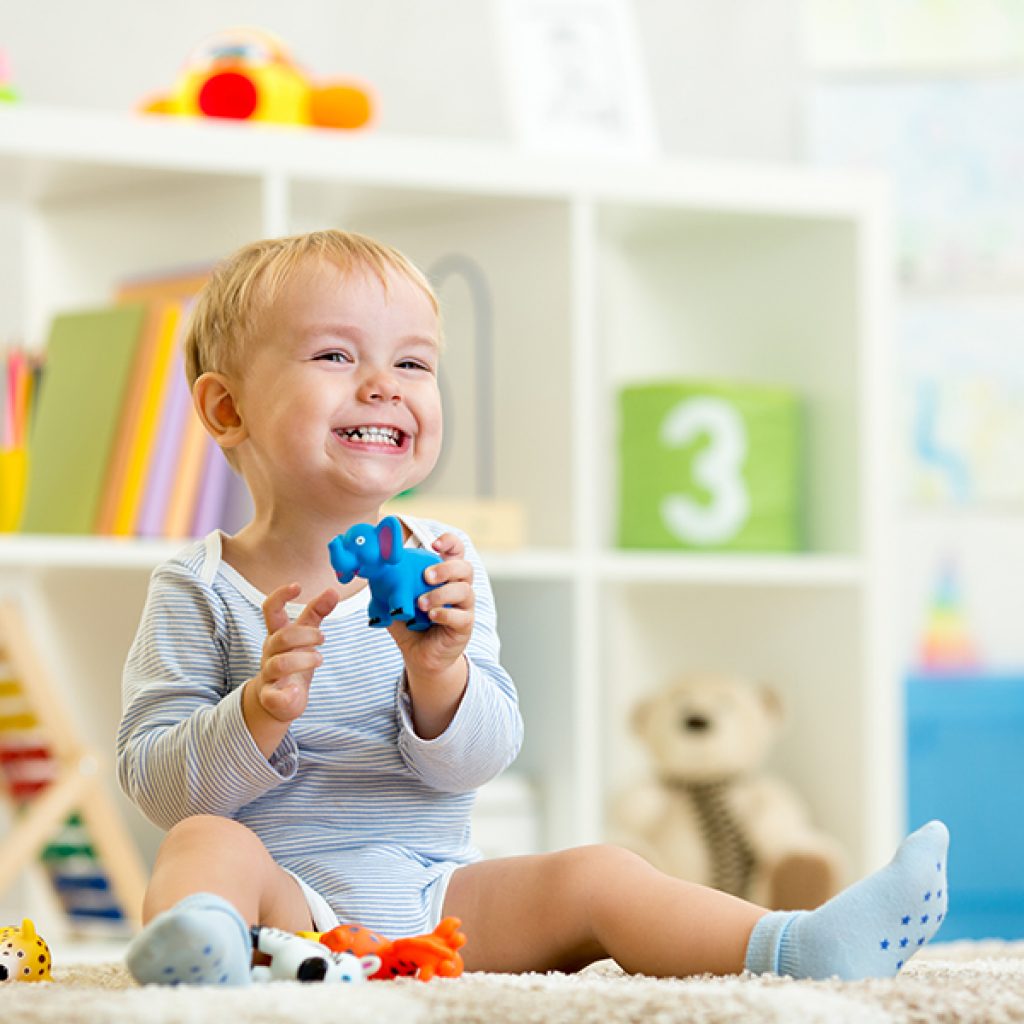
[724,74]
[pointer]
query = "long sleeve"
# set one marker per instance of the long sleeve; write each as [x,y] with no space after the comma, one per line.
[183,747]
[486,732]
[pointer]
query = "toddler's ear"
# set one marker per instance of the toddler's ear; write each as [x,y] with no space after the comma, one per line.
[215,404]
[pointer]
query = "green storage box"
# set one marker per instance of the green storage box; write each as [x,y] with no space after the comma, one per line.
[710,466]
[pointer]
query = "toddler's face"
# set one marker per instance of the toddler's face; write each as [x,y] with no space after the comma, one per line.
[340,395]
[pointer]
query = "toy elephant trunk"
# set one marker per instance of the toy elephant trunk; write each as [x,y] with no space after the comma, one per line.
[343,561]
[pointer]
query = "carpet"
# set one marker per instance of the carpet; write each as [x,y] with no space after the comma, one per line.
[959,982]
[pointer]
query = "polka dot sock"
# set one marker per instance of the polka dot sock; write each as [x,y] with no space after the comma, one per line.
[869,930]
[202,940]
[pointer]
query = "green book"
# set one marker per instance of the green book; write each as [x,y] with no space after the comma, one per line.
[88,366]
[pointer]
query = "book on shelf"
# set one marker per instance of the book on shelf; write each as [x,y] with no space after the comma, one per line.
[179,285]
[129,462]
[213,484]
[166,451]
[19,388]
[89,358]
[117,447]
[192,458]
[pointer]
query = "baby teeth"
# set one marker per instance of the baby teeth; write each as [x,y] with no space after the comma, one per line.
[375,435]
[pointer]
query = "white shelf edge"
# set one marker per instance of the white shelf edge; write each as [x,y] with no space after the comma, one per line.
[46,551]
[197,145]
[811,570]
[32,551]
[39,551]
[530,564]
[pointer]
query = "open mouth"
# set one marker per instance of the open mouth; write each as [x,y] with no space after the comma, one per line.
[386,438]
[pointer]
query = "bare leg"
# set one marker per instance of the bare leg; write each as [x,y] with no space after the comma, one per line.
[207,853]
[561,911]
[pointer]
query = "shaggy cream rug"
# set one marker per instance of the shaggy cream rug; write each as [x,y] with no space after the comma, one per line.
[955,982]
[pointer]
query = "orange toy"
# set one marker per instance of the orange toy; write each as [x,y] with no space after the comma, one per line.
[424,956]
[248,74]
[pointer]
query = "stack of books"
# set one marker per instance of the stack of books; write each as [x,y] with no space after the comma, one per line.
[116,447]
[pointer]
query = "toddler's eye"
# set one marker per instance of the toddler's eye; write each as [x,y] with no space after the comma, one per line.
[413,364]
[332,357]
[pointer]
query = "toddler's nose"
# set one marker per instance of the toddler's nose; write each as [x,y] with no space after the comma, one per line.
[380,386]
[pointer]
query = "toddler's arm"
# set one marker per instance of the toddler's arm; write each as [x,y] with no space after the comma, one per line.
[183,747]
[485,730]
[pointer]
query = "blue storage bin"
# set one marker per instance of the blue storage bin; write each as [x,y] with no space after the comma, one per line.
[965,765]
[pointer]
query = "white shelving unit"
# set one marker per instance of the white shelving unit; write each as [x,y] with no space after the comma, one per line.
[600,273]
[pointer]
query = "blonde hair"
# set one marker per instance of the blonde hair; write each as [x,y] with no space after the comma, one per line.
[226,313]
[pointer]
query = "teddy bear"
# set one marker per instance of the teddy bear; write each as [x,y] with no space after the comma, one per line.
[711,815]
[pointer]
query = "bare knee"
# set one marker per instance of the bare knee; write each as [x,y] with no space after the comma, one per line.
[600,865]
[208,853]
[210,831]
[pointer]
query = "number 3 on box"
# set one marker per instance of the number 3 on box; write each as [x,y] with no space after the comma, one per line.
[718,469]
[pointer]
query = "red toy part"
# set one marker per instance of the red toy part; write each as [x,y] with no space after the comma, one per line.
[228,94]
[423,956]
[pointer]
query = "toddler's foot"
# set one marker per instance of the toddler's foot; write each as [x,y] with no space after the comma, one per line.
[869,930]
[201,940]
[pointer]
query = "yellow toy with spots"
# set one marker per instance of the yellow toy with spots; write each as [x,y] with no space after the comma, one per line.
[24,956]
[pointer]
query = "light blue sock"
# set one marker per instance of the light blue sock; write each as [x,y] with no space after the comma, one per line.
[869,930]
[201,940]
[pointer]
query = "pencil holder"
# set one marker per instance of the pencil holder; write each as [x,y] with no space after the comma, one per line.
[712,466]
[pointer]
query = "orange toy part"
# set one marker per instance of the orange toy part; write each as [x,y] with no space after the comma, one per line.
[340,106]
[422,956]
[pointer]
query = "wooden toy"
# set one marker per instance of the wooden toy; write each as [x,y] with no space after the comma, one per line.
[65,813]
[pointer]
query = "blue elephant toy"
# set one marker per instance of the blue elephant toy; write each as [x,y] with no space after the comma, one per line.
[394,572]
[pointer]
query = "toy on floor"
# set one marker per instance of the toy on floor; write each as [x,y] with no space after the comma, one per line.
[8,94]
[422,956]
[711,814]
[394,572]
[302,958]
[24,956]
[248,74]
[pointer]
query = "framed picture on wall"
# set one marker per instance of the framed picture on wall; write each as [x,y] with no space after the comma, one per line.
[574,77]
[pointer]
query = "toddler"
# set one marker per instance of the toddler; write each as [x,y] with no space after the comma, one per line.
[309,769]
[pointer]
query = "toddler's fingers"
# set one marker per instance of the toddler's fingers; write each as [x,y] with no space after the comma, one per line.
[459,595]
[446,572]
[458,619]
[319,608]
[274,614]
[278,668]
[286,700]
[448,545]
[292,637]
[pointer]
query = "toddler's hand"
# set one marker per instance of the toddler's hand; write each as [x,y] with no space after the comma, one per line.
[289,653]
[450,606]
